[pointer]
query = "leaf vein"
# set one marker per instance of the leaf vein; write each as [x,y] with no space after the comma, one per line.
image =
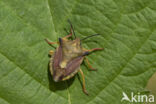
[123,66]
[29,74]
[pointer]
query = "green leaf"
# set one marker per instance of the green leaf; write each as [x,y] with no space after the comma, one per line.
[128,36]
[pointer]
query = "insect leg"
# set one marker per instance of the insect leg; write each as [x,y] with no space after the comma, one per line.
[50,43]
[83,83]
[51,52]
[94,49]
[89,65]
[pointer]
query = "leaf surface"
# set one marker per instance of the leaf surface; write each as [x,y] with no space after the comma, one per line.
[128,36]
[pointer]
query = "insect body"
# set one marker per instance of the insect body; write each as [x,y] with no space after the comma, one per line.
[67,58]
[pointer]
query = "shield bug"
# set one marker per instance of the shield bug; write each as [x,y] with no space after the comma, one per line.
[66,60]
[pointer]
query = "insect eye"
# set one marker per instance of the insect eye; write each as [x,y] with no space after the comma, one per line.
[86,53]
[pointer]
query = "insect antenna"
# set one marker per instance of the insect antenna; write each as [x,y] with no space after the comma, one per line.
[90,36]
[72,28]
[66,30]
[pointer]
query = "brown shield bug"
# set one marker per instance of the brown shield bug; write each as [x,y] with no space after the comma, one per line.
[67,58]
